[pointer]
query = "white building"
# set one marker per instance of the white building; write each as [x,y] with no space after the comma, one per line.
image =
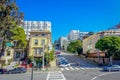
[73,35]
[82,34]
[63,43]
[76,34]
[36,25]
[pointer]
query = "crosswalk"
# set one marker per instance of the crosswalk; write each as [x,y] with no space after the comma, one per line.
[55,75]
[78,68]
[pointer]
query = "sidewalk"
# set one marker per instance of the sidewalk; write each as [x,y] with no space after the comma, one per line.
[53,66]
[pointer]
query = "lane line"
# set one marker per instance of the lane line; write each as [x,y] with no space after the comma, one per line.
[103,75]
[48,76]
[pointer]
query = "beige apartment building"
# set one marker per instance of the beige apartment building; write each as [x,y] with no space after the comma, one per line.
[89,43]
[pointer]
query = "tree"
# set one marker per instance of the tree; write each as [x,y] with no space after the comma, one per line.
[109,44]
[18,35]
[10,17]
[75,46]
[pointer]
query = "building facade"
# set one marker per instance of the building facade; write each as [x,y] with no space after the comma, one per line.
[82,35]
[76,34]
[73,35]
[89,43]
[63,43]
[40,42]
[36,25]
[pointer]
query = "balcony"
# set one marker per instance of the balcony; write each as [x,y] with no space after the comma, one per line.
[37,55]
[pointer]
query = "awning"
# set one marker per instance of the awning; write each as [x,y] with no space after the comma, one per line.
[8,44]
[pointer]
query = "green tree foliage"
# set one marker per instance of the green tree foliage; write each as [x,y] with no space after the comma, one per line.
[49,56]
[109,44]
[18,34]
[75,46]
[10,17]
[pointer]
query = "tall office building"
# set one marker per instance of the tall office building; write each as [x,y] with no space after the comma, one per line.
[36,25]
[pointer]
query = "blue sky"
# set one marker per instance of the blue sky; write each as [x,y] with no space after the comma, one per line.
[67,15]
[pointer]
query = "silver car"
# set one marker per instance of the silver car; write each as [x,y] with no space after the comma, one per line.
[112,68]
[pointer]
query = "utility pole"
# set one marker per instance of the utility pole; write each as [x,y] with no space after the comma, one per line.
[43,59]
[32,71]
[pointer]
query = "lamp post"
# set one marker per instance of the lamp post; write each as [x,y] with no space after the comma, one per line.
[32,71]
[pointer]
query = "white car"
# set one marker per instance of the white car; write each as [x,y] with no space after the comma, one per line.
[63,65]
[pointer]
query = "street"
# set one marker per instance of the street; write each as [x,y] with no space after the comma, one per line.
[24,76]
[85,71]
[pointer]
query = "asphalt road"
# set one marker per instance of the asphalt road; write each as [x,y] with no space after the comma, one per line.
[69,74]
[24,76]
[75,59]
[108,76]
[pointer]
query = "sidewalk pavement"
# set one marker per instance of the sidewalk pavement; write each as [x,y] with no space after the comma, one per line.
[53,66]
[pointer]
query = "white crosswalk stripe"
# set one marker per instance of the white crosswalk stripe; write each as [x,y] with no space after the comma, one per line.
[71,68]
[77,68]
[55,75]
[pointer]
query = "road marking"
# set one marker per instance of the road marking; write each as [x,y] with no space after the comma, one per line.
[71,68]
[82,68]
[62,69]
[77,68]
[48,76]
[103,75]
[55,75]
[66,68]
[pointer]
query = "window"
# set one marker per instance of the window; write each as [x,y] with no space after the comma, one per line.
[42,41]
[39,50]
[36,34]
[43,34]
[36,42]
[35,51]
[8,53]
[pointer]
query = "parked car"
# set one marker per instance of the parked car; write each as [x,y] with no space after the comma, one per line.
[58,52]
[17,70]
[112,68]
[3,71]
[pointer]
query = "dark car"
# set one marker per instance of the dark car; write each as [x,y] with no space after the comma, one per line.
[17,70]
[112,68]
[3,71]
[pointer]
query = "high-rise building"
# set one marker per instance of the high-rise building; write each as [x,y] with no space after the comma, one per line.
[36,25]
[73,35]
